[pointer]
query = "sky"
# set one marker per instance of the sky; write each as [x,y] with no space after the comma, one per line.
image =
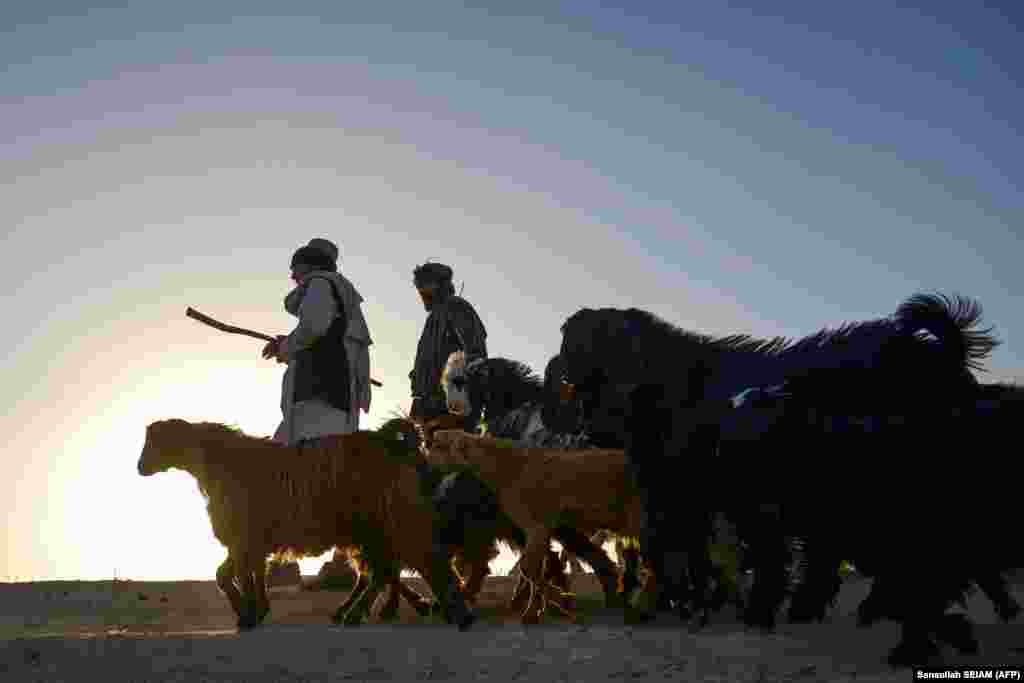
[729,167]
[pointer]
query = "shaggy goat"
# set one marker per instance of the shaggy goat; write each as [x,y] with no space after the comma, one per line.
[923,554]
[665,511]
[359,490]
[695,375]
[509,396]
[600,416]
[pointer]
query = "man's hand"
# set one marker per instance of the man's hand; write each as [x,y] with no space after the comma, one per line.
[273,348]
[282,349]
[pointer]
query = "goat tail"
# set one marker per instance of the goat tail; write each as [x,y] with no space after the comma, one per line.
[954,321]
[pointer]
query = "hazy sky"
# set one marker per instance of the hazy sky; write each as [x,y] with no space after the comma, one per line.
[730,168]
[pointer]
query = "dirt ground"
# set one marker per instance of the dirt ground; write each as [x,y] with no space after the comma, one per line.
[185,631]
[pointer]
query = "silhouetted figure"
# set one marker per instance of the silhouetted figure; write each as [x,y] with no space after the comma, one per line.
[452,325]
[327,381]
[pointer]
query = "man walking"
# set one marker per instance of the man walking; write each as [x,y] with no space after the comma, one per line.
[452,325]
[327,382]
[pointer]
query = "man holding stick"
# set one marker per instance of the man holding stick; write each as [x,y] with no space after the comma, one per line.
[327,381]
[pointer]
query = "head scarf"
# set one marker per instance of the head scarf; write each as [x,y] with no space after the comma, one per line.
[431,273]
[326,246]
[312,256]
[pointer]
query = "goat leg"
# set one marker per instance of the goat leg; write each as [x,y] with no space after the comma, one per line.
[579,545]
[362,584]
[629,579]
[360,609]
[445,585]
[531,565]
[252,612]
[415,600]
[821,581]
[993,585]
[262,600]
[473,580]
[521,588]
[226,584]
[392,594]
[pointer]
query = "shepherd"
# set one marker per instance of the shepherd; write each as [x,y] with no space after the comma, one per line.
[452,325]
[327,382]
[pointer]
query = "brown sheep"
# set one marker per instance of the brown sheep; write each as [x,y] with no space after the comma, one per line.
[541,488]
[418,436]
[360,490]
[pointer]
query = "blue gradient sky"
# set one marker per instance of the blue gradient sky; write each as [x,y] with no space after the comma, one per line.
[729,168]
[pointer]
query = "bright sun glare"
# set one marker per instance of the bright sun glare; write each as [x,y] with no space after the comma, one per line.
[161,520]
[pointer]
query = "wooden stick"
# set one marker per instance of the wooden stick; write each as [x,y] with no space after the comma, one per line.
[193,313]
[231,329]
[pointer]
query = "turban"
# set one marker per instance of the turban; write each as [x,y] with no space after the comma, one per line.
[326,246]
[311,256]
[431,273]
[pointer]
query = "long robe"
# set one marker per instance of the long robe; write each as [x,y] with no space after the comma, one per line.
[312,301]
[453,325]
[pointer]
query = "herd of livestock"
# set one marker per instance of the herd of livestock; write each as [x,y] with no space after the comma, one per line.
[877,435]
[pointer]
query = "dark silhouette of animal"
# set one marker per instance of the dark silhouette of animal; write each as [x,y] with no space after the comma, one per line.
[922,540]
[921,356]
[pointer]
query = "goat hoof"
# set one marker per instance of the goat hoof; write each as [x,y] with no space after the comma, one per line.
[864,621]
[352,620]
[907,654]
[761,622]
[633,617]
[755,630]
[870,612]
[956,630]
[423,608]
[805,616]
[803,610]
[466,621]
[247,622]
[459,615]
[251,615]
[698,622]
[1008,613]
[530,618]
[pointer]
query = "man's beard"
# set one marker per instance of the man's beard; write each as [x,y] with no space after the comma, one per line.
[428,301]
